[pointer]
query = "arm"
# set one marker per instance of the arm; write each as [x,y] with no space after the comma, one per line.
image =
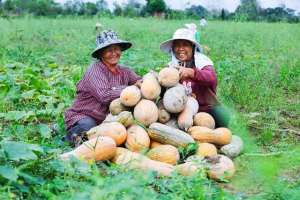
[205,76]
[133,77]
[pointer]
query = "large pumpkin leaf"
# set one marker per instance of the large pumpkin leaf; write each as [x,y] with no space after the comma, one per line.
[44,130]
[8,173]
[20,150]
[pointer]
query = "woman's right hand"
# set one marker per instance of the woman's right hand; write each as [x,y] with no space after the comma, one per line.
[138,83]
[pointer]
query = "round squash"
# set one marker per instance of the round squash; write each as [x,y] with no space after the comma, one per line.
[130,96]
[234,148]
[137,139]
[220,167]
[96,149]
[150,87]
[164,153]
[204,119]
[124,117]
[146,112]
[168,77]
[206,149]
[115,130]
[175,98]
[116,107]
[192,165]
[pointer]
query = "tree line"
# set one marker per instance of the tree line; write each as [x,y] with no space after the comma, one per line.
[248,10]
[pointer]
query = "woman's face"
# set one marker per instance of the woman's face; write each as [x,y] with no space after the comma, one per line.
[111,54]
[183,50]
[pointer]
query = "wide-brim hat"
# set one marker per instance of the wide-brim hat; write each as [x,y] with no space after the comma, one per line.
[107,38]
[180,34]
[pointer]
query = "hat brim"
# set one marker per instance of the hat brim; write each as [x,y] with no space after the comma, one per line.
[166,46]
[123,44]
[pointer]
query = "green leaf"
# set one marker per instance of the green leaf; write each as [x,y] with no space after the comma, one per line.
[8,173]
[20,151]
[44,130]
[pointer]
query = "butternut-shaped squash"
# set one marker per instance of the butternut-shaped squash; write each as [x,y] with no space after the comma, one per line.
[175,98]
[115,130]
[135,160]
[168,135]
[130,96]
[185,118]
[96,149]
[168,77]
[219,136]
[220,167]
[234,148]
[206,149]
[150,87]
[115,107]
[137,139]
[146,112]
[204,119]
[164,153]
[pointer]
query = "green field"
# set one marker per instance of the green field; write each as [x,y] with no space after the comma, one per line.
[258,67]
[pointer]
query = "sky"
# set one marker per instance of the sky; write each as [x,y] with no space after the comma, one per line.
[229,5]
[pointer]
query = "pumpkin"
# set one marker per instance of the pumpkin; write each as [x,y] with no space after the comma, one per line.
[175,98]
[206,149]
[115,107]
[115,130]
[168,135]
[163,115]
[96,149]
[164,153]
[154,144]
[185,118]
[130,95]
[124,117]
[234,148]
[192,165]
[204,119]
[219,136]
[220,167]
[150,87]
[135,160]
[168,77]
[146,112]
[137,139]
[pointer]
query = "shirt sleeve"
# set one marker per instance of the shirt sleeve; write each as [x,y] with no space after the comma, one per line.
[205,76]
[133,77]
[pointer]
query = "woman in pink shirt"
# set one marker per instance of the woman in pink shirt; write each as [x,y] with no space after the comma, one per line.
[196,72]
[102,82]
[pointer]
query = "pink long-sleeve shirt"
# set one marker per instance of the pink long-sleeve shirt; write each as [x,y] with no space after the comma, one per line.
[98,87]
[204,86]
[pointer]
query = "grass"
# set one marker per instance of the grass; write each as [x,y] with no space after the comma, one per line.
[258,66]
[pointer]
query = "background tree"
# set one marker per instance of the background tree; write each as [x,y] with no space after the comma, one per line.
[248,10]
[155,6]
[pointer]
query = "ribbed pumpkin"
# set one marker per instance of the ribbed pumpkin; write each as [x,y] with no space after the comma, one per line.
[146,112]
[150,87]
[116,107]
[137,139]
[130,96]
[115,130]
[175,98]
[164,153]
[168,77]
[96,149]
[206,149]
[204,119]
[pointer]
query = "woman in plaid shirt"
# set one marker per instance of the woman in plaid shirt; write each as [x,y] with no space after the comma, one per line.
[102,82]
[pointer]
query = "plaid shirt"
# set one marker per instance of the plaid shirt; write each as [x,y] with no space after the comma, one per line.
[96,90]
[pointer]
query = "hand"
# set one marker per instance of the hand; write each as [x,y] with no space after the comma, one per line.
[138,83]
[186,72]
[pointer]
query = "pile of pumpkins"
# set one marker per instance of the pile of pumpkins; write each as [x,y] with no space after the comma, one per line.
[146,127]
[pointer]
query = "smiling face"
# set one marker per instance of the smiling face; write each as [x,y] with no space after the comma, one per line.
[110,55]
[183,50]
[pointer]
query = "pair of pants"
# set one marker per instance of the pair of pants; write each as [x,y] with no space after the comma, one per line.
[79,128]
[221,116]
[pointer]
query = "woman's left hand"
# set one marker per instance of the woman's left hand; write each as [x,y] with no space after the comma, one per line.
[186,72]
